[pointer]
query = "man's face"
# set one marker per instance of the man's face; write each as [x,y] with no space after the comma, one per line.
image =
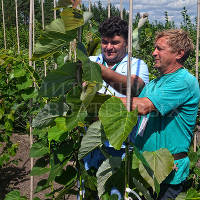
[165,59]
[113,48]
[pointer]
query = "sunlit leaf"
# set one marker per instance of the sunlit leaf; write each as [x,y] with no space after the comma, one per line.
[56,134]
[161,162]
[53,39]
[117,121]
[72,18]
[14,195]
[105,171]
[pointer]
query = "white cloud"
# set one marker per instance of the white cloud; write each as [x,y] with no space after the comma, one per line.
[157,8]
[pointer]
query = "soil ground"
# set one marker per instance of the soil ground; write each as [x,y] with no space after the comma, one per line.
[17,176]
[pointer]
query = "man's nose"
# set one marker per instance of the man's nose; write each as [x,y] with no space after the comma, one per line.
[109,46]
[154,52]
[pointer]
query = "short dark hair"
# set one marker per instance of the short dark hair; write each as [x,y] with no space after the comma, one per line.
[114,26]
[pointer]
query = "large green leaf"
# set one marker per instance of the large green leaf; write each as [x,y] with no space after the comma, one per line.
[47,115]
[38,150]
[60,81]
[91,140]
[105,171]
[161,162]
[53,39]
[72,18]
[91,70]
[117,121]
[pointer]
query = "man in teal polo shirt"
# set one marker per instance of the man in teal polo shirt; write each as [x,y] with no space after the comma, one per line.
[168,107]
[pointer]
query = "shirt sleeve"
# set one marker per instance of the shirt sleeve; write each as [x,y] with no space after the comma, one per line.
[140,69]
[170,95]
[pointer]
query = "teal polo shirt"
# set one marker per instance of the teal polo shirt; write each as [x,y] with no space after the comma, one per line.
[176,98]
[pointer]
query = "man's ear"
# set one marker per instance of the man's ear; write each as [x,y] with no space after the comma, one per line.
[180,54]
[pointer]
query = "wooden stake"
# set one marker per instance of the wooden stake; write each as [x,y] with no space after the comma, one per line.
[128,94]
[17,27]
[108,8]
[121,9]
[197,60]
[54,5]
[89,6]
[4,27]
[30,63]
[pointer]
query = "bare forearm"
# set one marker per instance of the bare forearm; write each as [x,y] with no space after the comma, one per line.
[144,105]
[119,82]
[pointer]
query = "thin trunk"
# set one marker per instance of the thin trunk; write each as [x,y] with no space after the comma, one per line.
[108,8]
[4,27]
[197,60]
[30,63]
[121,9]
[17,27]
[128,93]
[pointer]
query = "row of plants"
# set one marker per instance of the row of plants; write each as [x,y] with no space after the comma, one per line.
[64,111]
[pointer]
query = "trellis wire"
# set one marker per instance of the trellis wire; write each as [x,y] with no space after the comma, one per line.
[4,27]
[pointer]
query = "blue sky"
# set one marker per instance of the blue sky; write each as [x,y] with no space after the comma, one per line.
[157,8]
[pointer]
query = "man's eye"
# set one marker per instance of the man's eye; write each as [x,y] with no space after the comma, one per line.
[115,43]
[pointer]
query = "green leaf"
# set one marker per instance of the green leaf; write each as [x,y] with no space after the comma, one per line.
[91,140]
[63,3]
[105,171]
[60,81]
[38,150]
[87,16]
[47,115]
[89,93]
[142,189]
[96,103]
[28,83]
[14,195]
[192,194]
[53,39]
[19,72]
[41,185]
[29,94]
[68,176]
[38,171]
[161,162]
[77,118]
[61,123]
[117,121]
[72,18]
[91,70]
[64,150]
[56,134]
[181,196]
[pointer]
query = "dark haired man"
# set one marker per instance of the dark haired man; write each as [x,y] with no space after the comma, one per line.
[113,62]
